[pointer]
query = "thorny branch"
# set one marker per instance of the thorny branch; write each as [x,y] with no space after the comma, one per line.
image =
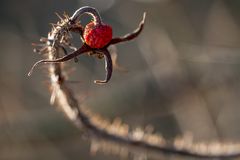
[116,136]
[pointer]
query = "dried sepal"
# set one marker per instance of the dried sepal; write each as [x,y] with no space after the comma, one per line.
[65,58]
[130,36]
[108,67]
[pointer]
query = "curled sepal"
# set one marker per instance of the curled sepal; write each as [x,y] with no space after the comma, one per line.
[86,10]
[108,66]
[74,54]
[130,36]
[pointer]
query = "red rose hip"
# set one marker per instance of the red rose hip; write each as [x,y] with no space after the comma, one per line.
[97,35]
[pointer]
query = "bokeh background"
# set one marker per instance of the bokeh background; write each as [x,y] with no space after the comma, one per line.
[183,75]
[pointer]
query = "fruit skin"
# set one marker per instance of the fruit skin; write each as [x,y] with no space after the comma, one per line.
[97,35]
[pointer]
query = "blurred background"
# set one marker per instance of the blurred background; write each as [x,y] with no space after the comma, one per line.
[183,75]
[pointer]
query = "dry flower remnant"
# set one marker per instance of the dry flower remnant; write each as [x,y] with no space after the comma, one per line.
[96,37]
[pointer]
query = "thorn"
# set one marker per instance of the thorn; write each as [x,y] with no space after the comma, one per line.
[35,50]
[34,44]
[59,16]
[53,96]
[43,39]
[53,24]
[66,15]
[38,45]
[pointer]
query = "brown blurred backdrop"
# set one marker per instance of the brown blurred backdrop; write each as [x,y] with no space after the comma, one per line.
[183,74]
